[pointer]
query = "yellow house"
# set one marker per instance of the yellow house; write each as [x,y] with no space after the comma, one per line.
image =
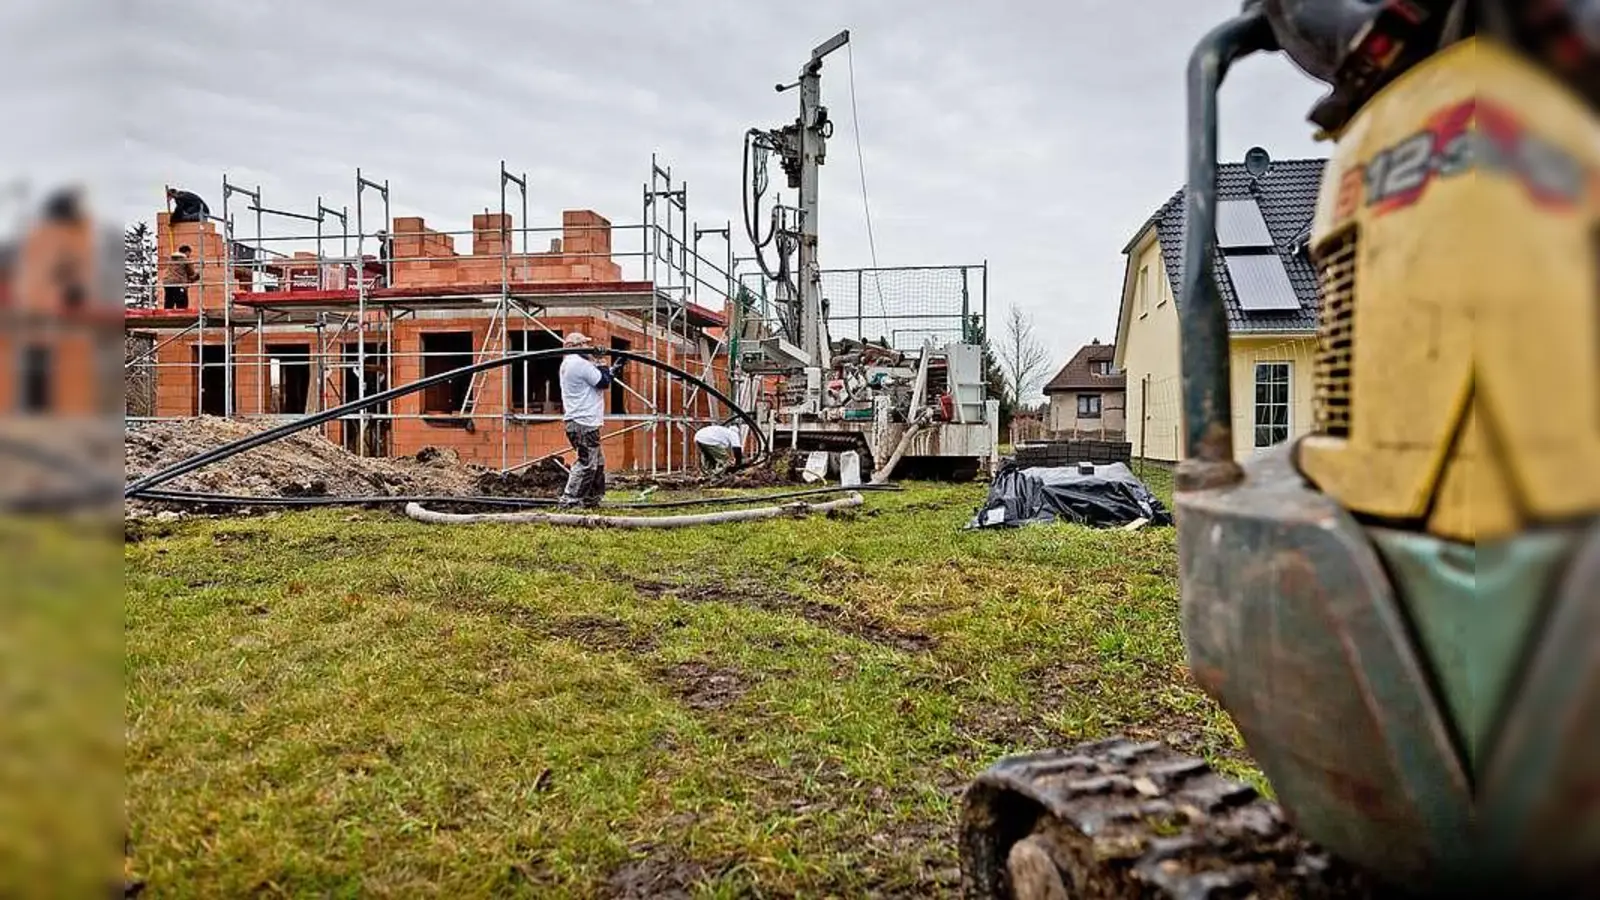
[1270,289]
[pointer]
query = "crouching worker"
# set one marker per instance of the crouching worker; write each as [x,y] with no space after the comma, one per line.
[583,392]
[721,448]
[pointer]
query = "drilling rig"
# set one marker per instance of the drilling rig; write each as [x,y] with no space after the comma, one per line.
[923,408]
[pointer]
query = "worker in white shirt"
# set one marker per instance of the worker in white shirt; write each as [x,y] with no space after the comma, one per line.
[583,391]
[721,447]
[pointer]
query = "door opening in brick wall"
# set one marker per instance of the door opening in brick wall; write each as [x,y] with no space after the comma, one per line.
[619,397]
[37,394]
[443,351]
[376,377]
[213,395]
[289,378]
[536,385]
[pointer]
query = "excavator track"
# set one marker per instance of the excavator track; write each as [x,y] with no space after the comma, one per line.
[1117,819]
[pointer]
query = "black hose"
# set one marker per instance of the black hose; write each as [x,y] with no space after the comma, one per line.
[206,499]
[253,441]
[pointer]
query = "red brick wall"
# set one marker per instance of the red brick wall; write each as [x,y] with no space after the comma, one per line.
[205,244]
[427,258]
[176,391]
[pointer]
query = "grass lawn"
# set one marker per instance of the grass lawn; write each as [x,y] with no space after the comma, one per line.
[344,704]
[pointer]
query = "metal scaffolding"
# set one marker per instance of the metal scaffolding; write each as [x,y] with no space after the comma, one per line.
[277,285]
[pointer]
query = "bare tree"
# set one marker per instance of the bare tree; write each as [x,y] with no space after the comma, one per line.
[1023,358]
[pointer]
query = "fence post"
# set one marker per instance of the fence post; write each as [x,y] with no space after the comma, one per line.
[1144,420]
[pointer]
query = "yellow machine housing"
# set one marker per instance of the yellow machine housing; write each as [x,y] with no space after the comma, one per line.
[1458,372]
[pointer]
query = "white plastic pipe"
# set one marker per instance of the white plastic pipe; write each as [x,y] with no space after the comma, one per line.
[586,520]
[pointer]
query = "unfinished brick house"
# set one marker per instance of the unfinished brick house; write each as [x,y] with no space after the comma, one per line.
[59,320]
[243,331]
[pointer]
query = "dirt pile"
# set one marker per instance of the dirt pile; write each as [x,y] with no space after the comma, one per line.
[547,477]
[301,465]
[782,468]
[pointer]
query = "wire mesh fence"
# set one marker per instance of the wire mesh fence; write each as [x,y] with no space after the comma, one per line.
[901,307]
[905,306]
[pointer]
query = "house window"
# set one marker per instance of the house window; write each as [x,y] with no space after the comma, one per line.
[443,351]
[1088,406]
[1144,290]
[536,385]
[1100,367]
[1272,404]
[36,389]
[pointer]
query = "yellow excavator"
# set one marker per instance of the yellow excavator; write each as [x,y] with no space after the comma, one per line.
[1401,609]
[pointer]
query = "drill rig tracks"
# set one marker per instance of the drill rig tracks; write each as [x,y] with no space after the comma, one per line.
[1115,819]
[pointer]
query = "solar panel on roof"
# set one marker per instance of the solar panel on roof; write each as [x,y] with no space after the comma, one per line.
[1261,284]
[1240,225]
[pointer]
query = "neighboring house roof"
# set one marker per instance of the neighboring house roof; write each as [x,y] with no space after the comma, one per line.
[1077,375]
[1287,199]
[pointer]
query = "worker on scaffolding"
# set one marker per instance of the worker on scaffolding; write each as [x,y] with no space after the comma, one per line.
[583,391]
[721,448]
[187,206]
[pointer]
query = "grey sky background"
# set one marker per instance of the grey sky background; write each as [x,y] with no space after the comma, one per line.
[1035,135]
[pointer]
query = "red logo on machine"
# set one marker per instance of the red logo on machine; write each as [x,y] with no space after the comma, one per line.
[1474,136]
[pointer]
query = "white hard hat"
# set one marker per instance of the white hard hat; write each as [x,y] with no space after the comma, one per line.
[576,339]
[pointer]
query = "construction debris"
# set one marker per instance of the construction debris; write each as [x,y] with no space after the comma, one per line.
[301,465]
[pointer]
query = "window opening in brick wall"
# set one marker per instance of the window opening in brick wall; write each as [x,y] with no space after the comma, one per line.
[441,352]
[619,398]
[536,385]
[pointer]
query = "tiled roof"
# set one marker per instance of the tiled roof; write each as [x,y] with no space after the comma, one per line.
[1077,376]
[1287,195]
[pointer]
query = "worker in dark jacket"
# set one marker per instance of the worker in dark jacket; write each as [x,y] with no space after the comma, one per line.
[187,206]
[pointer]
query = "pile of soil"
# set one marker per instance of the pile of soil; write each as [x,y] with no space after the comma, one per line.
[300,465]
[781,469]
[540,479]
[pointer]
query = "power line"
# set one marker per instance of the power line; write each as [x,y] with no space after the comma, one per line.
[861,166]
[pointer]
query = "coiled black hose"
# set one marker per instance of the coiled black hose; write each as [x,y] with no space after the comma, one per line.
[232,448]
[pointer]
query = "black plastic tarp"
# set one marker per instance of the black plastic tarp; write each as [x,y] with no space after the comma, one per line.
[1099,496]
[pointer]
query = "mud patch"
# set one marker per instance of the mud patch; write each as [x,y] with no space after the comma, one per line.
[760,596]
[660,874]
[704,687]
[599,634]
[594,633]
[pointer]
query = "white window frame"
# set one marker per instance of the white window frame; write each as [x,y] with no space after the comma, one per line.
[1255,403]
[1144,290]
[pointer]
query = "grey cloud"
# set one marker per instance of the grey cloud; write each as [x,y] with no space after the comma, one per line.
[1036,136]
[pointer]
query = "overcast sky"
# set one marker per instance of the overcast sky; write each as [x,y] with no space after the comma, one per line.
[1035,135]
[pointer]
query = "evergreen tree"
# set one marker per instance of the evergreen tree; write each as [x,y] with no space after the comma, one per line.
[139,266]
